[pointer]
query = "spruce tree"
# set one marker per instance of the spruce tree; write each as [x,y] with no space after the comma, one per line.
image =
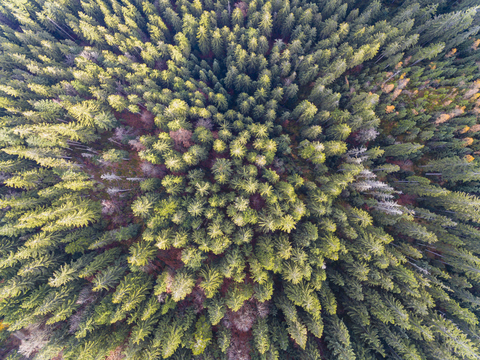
[250,180]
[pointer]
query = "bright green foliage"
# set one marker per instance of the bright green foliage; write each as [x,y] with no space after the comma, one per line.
[249,180]
[202,336]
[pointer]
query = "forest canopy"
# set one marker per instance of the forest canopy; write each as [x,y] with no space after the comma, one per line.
[250,180]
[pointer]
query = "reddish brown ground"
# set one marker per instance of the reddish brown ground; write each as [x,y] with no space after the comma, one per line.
[406,199]
[257,202]
[143,122]
[10,344]
[171,258]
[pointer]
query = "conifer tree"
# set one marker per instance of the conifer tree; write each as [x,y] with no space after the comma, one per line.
[250,180]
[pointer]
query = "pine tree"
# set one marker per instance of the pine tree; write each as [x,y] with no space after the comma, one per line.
[277,167]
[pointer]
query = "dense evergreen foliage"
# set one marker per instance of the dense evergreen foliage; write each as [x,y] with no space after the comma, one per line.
[262,179]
